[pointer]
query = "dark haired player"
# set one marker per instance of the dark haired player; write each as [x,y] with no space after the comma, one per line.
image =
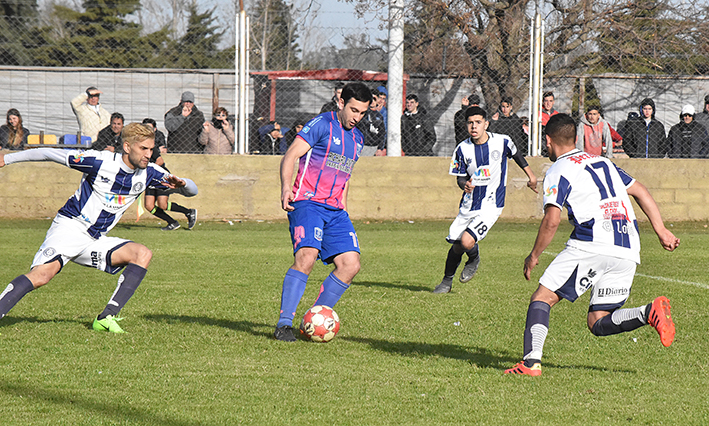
[327,149]
[480,165]
[111,182]
[603,251]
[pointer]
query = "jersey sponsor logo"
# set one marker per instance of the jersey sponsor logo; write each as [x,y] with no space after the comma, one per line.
[96,259]
[104,179]
[359,149]
[612,292]
[78,158]
[309,194]
[298,235]
[551,191]
[455,164]
[587,281]
[339,162]
[578,159]
[481,176]
[115,200]
[49,252]
[305,130]
[317,234]
[336,141]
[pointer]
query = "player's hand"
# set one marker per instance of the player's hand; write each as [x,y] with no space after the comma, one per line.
[529,264]
[532,184]
[286,198]
[469,186]
[2,160]
[668,240]
[172,181]
[464,101]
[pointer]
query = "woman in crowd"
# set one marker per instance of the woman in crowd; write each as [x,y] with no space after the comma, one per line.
[13,135]
[218,135]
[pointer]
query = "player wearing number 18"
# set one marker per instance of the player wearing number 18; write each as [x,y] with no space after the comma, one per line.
[602,253]
[480,166]
[326,150]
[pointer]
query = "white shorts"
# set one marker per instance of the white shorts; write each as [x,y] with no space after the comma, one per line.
[475,223]
[574,271]
[67,240]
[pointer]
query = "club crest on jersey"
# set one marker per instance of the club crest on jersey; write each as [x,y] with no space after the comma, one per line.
[551,191]
[495,155]
[138,187]
[49,252]
[309,194]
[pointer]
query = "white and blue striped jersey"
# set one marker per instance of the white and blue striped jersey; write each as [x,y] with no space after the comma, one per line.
[107,188]
[486,164]
[593,190]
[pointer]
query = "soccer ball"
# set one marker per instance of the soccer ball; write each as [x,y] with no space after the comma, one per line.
[320,323]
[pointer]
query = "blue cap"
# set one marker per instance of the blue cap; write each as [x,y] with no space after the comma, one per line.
[383,89]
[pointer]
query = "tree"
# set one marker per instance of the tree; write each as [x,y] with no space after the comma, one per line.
[274,36]
[198,48]
[16,21]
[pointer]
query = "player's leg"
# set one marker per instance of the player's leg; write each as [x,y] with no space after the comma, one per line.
[158,210]
[341,247]
[605,318]
[453,259]
[347,265]
[469,242]
[191,214]
[23,284]
[110,254]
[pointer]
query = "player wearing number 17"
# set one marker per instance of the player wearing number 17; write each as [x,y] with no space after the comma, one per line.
[480,166]
[327,149]
[603,251]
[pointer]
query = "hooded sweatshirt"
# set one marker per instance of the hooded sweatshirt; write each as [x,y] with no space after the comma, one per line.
[591,137]
[643,139]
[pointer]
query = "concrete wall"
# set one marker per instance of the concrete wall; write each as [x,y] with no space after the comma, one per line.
[382,188]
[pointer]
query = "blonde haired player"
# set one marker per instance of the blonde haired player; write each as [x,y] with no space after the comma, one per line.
[110,184]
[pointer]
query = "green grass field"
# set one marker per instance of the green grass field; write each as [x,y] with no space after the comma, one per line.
[199,351]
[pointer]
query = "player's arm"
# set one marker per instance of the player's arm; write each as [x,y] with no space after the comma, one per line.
[522,163]
[644,199]
[297,149]
[344,195]
[550,223]
[37,154]
[464,183]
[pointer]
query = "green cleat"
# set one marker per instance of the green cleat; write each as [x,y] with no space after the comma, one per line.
[110,323]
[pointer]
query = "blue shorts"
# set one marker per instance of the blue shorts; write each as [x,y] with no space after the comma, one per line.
[326,229]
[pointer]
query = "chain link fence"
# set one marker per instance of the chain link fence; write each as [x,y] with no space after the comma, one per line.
[298,56]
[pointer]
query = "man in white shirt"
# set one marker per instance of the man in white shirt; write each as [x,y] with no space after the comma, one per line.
[90,115]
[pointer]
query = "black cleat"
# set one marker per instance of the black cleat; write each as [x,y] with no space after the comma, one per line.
[444,287]
[469,270]
[191,218]
[284,333]
[171,227]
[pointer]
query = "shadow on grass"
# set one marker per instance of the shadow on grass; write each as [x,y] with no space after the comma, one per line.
[110,409]
[10,321]
[393,285]
[245,326]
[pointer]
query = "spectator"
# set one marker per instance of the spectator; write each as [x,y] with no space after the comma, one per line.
[703,117]
[459,123]
[548,110]
[332,104]
[417,134]
[109,138]
[184,124]
[290,135]
[160,143]
[90,115]
[593,133]
[218,135]
[372,127]
[508,123]
[13,135]
[382,106]
[270,138]
[644,136]
[688,138]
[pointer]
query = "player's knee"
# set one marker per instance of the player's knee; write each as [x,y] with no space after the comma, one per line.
[142,256]
[162,204]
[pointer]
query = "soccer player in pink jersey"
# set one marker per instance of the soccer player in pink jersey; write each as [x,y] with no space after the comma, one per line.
[326,150]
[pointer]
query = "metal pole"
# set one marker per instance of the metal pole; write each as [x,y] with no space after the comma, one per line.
[242,79]
[248,85]
[395,85]
[535,127]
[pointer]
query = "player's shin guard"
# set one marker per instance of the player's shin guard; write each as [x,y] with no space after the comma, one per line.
[620,321]
[452,262]
[293,288]
[331,291]
[16,290]
[128,282]
[535,331]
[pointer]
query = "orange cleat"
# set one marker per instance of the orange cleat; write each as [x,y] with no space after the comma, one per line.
[661,319]
[520,368]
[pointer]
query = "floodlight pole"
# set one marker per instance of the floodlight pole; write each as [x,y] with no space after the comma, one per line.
[240,74]
[535,128]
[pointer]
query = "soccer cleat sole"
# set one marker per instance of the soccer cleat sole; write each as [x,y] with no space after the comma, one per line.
[522,370]
[660,319]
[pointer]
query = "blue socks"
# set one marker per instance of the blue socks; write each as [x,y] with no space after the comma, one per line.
[535,331]
[293,289]
[128,282]
[331,291]
[12,294]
